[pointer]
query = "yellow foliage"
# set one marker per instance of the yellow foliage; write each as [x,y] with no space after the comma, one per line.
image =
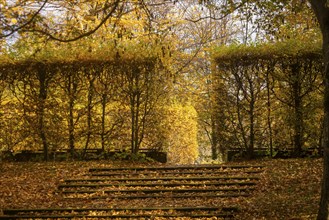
[180,132]
[293,48]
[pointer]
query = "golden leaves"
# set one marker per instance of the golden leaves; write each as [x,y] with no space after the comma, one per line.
[14,21]
[180,130]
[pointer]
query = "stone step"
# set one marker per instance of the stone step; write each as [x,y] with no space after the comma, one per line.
[188,184]
[155,179]
[125,212]
[176,168]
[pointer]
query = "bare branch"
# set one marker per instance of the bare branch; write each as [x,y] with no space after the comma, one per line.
[26,24]
[88,33]
[206,17]
[225,14]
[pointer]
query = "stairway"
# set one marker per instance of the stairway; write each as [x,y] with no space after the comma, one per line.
[168,192]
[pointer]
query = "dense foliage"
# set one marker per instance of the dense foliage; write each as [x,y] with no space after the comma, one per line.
[107,100]
[272,96]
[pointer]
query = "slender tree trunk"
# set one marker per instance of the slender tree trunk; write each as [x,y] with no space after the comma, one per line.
[41,110]
[42,132]
[135,102]
[269,112]
[240,122]
[71,90]
[219,145]
[135,109]
[132,115]
[251,131]
[104,101]
[251,120]
[298,111]
[214,140]
[214,117]
[321,9]
[137,124]
[241,89]
[148,105]
[71,129]
[89,114]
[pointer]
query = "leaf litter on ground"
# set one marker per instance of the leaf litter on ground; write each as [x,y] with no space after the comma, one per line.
[287,189]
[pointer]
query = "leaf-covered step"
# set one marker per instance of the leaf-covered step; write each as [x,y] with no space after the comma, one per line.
[148,212]
[174,173]
[201,178]
[176,168]
[142,216]
[183,209]
[159,184]
[164,190]
[224,195]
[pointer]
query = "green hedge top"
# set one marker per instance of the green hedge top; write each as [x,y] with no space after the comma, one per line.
[80,56]
[246,55]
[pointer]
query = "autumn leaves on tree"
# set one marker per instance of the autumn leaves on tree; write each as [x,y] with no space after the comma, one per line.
[146,46]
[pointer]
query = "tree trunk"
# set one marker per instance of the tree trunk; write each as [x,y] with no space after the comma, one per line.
[269,111]
[89,114]
[324,201]
[71,89]
[133,113]
[71,129]
[250,152]
[41,110]
[219,144]
[321,9]
[214,140]
[104,101]
[135,101]
[298,110]
[137,124]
